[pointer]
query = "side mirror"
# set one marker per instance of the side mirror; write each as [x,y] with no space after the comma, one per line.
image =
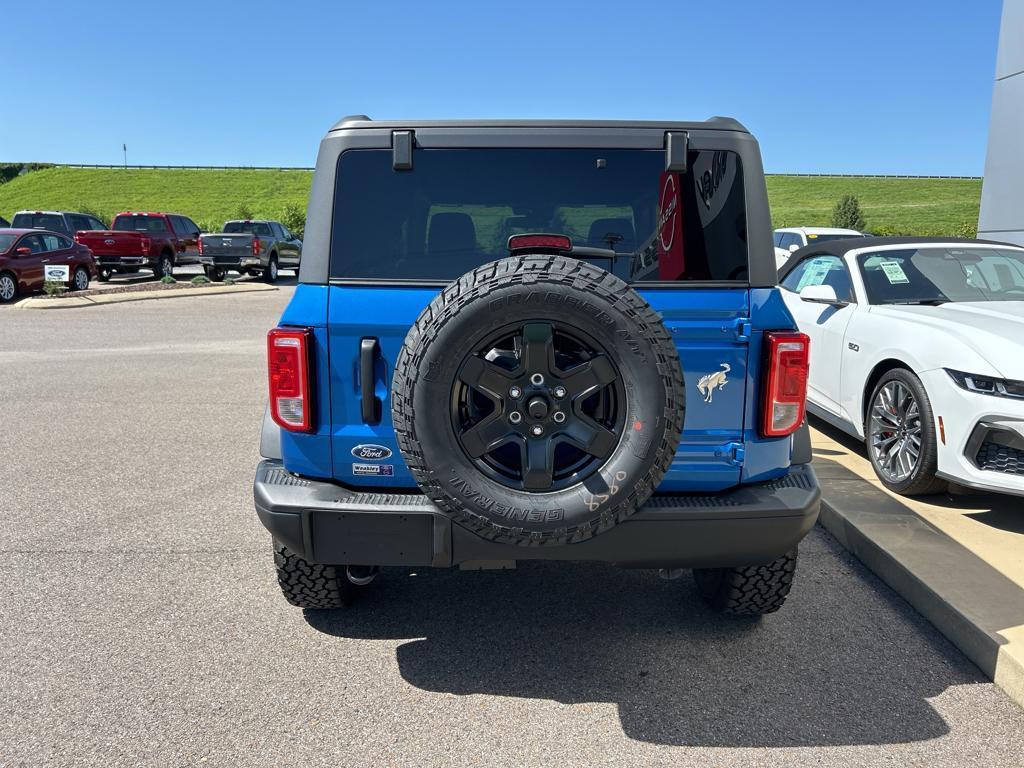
[821,294]
[24,251]
[793,248]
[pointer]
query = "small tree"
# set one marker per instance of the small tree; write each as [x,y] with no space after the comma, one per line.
[243,212]
[847,213]
[293,216]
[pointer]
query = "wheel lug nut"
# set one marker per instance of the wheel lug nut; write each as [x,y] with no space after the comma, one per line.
[537,430]
[515,417]
[537,379]
[515,393]
[559,392]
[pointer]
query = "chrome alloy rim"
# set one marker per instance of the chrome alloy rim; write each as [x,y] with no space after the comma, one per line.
[895,429]
[6,288]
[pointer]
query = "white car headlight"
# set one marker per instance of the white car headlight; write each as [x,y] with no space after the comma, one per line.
[987,385]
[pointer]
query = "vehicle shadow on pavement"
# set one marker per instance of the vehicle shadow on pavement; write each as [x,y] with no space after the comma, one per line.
[844,662]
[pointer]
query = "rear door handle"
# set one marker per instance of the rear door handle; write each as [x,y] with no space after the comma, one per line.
[369,352]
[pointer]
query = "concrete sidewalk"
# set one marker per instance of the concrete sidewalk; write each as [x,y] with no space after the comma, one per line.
[957,558]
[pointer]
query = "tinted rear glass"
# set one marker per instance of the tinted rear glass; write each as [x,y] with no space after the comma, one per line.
[139,224]
[248,227]
[456,209]
[39,221]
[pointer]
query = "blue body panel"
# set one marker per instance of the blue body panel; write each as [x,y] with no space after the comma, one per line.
[712,328]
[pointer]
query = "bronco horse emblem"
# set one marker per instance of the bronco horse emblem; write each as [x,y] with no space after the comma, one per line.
[707,384]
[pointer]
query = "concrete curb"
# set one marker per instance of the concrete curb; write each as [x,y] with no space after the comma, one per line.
[975,606]
[98,300]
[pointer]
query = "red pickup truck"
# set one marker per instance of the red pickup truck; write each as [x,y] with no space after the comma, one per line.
[156,241]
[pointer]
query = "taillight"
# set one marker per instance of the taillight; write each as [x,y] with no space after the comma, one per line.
[257,246]
[787,355]
[145,245]
[78,239]
[200,246]
[288,353]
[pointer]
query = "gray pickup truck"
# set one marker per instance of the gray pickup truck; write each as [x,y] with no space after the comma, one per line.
[251,247]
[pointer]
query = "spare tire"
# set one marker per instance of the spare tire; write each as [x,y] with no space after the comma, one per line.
[538,400]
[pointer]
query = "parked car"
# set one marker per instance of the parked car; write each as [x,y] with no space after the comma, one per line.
[64,222]
[156,241]
[445,394]
[789,239]
[4,223]
[918,349]
[252,247]
[28,257]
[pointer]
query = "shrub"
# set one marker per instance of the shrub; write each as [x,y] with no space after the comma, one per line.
[243,212]
[168,280]
[229,281]
[88,210]
[293,216]
[54,288]
[847,213]
[200,280]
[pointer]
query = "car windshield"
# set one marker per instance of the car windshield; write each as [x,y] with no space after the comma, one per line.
[39,221]
[6,241]
[139,224]
[456,208]
[247,227]
[940,275]
[812,239]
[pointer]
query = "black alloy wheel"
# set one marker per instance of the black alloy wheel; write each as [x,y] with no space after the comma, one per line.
[538,406]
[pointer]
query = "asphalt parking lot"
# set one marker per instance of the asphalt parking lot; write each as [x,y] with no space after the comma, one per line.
[140,622]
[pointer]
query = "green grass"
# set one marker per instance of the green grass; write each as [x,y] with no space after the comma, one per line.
[208,197]
[898,206]
[905,206]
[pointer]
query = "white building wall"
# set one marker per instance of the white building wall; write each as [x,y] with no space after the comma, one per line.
[1002,193]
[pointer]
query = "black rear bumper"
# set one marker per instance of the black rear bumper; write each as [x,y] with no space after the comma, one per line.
[326,523]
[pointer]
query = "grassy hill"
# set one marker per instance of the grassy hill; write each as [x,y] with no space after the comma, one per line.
[905,206]
[209,197]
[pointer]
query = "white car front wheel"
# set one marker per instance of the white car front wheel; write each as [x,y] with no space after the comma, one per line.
[900,435]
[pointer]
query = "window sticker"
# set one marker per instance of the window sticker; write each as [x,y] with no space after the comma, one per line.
[815,273]
[894,272]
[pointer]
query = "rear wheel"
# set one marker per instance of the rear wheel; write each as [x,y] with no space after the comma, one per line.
[214,273]
[104,275]
[270,273]
[900,435]
[80,281]
[164,267]
[8,287]
[311,585]
[751,590]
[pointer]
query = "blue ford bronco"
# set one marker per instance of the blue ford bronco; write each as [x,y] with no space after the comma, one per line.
[526,340]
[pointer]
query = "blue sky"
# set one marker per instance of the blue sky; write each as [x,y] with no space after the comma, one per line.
[839,87]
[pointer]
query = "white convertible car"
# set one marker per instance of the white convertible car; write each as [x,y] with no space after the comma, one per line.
[917,347]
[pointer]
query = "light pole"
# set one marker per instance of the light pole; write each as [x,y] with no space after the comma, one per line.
[125,148]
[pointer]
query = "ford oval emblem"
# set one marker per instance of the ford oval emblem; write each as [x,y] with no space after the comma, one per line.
[371,452]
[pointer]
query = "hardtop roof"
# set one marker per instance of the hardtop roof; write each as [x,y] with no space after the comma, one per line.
[714,123]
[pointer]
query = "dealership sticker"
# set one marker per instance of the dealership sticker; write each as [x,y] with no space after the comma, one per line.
[59,273]
[894,272]
[385,470]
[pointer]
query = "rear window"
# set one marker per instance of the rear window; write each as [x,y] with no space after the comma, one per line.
[139,224]
[39,221]
[262,229]
[456,209]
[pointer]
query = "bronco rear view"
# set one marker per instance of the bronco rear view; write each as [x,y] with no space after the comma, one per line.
[521,340]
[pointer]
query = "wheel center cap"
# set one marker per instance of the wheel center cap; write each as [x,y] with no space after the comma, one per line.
[537,408]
